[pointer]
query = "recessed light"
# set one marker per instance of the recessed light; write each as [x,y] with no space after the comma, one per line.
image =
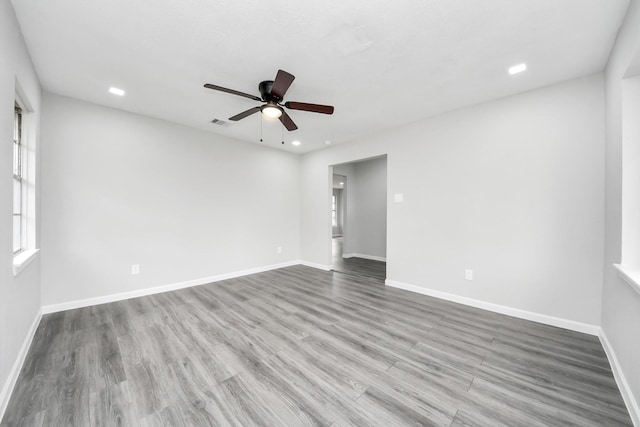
[116,91]
[342,183]
[295,143]
[517,69]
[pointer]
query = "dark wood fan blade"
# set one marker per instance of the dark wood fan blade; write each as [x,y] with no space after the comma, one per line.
[315,108]
[244,114]
[287,122]
[281,83]
[231,91]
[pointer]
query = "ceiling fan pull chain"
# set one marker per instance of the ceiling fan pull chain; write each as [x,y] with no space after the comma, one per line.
[261,119]
[282,130]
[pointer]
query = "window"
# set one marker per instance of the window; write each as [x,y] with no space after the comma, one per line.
[24,180]
[629,266]
[334,216]
[18,182]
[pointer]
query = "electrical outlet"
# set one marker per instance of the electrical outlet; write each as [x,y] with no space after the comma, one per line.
[468,274]
[135,269]
[279,249]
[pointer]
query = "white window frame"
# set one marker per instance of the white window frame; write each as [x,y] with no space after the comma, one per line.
[18,154]
[629,267]
[28,249]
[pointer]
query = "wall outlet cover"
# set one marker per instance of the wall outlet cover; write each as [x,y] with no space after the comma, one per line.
[468,274]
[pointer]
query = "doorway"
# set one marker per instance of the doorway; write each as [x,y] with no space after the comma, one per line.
[359,217]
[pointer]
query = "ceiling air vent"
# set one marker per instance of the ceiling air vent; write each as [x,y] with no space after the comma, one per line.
[219,122]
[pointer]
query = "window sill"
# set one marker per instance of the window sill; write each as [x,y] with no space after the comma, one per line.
[631,276]
[24,258]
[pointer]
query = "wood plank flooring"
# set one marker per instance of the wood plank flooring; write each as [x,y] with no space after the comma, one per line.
[303,347]
[354,265]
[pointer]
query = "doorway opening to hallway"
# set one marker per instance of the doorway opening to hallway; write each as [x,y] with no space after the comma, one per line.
[359,217]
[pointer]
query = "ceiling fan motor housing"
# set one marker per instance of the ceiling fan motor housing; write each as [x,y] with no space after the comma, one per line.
[265,91]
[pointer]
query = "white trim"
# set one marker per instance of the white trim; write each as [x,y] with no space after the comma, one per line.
[371,257]
[623,385]
[22,259]
[70,305]
[159,289]
[316,265]
[10,383]
[509,311]
[630,276]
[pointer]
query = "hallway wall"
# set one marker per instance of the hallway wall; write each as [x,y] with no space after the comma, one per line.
[366,208]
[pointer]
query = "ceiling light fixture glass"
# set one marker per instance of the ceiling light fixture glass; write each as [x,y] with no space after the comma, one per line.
[272,111]
[116,91]
[517,69]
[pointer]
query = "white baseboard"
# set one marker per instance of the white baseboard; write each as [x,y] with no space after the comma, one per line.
[160,289]
[623,385]
[365,256]
[509,311]
[10,383]
[316,265]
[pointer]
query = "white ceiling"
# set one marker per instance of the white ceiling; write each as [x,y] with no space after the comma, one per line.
[380,63]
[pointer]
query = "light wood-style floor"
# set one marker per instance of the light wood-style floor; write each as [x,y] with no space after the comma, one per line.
[354,265]
[299,346]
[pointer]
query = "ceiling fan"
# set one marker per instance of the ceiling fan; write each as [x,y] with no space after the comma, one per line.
[272,94]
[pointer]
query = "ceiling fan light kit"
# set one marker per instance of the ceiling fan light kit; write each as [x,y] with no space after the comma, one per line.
[272,111]
[272,94]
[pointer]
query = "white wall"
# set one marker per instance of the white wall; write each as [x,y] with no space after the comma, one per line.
[20,295]
[620,303]
[122,189]
[513,189]
[370,200]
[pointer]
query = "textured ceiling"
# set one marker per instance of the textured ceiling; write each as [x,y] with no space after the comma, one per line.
[380,63]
